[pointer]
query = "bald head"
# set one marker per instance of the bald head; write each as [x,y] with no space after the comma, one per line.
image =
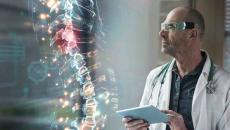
[191,15]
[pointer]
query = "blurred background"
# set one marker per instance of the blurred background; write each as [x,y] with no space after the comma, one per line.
[131,33]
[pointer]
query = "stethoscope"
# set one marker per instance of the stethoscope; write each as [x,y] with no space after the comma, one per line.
[210,87]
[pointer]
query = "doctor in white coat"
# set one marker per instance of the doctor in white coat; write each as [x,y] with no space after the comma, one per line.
[181,34]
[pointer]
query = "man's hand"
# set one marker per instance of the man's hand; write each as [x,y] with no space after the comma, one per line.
[135,124]
[176,121]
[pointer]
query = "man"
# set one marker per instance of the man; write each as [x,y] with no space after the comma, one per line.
[191,90]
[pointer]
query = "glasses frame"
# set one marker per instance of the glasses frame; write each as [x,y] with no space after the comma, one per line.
[178,26]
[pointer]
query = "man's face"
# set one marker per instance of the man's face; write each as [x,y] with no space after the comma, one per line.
[172,41]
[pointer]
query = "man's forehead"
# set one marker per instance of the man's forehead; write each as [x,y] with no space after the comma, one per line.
[176,15]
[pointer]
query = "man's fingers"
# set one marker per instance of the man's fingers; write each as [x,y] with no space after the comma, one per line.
[133,123]
[126,119]
[171,117]
[175,121]
[142,126]
[172,113]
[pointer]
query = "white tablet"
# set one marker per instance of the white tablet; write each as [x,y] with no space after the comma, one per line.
[148,113]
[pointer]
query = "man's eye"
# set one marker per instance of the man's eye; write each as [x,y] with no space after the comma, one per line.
[171,26]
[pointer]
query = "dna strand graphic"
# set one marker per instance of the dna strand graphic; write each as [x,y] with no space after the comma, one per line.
[72,28]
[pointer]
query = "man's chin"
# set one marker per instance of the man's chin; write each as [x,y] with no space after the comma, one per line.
[166,51]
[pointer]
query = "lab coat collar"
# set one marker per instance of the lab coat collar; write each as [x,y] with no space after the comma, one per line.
[203,79]
[166,88]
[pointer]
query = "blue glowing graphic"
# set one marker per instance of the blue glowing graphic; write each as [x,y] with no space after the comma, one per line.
[37,72]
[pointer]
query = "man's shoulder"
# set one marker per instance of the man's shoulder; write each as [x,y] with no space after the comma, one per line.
[222,74]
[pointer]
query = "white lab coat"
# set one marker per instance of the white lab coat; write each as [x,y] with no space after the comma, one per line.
[209,111]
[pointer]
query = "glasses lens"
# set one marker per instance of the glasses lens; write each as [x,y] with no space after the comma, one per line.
[169,26]
[175,26]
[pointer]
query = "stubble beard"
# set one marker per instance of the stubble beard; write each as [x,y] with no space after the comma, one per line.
[167,48]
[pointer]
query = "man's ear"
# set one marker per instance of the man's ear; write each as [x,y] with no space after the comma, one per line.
[193,33]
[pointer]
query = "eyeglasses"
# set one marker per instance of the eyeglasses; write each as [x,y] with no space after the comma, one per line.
[175,26]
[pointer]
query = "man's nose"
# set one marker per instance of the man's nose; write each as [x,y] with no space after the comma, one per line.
[162,33]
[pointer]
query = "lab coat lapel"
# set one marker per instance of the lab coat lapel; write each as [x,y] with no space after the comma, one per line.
[166,88]
[199,97]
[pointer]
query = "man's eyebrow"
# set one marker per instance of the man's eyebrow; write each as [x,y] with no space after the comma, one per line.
[170,21]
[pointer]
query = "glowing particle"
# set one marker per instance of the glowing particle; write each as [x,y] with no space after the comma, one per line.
[61,119]
[66,103]
[49,31]
[56,21]
[66,93]
[101,96]
[53,5]
[43,16]
[77,106]
[49,75]
[65,86]
[54,59]
[61,100]
[66,128]
[69,81]
[50,3]
[71,95]
[107,101]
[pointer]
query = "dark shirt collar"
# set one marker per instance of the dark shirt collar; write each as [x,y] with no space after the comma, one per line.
[197,70]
